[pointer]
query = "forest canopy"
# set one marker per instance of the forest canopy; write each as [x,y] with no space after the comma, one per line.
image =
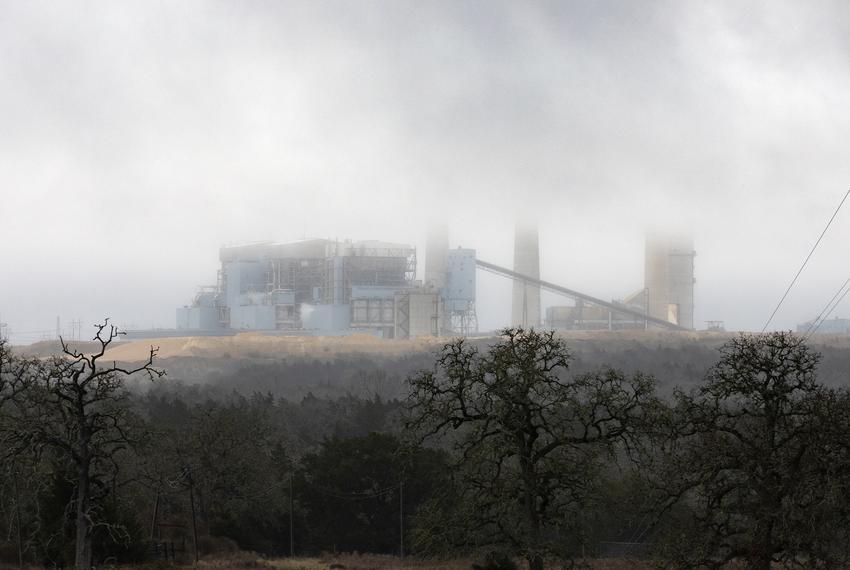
[494,451]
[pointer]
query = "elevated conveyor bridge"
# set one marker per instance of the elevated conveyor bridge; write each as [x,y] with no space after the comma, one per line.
[553,288]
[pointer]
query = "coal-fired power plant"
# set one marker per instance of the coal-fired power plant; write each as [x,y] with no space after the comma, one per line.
[332,287]
[329,287]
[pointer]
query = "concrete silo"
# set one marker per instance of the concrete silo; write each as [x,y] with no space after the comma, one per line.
[526,297]
[669,278]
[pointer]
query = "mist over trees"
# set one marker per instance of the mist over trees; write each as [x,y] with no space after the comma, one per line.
[529,441]
[512,447]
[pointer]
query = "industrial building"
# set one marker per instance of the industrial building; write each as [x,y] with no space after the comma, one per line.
[667,295]
[330,287]
[588,316]
[669,279]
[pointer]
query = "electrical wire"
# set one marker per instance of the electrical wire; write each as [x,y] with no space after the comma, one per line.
[825,309]
[829,313]
[177,483]
[356,495]
[806,261]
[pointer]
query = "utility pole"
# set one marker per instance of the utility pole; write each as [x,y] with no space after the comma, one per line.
[76,325]
[194,524]
[18,521]
[525,304]
[401,519]
[155,516]
[291,521]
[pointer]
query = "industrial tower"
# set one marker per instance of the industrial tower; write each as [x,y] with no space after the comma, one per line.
[526,296]
[436,248]
[451,272]
[669,278]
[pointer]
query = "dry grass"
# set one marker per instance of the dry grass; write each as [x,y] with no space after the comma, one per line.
[253,345]
[298,564]
[368,562]
[239,560]
[381,562]
[619,564]
[257,345]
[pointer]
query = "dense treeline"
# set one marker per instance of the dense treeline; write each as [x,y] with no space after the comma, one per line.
[501,449]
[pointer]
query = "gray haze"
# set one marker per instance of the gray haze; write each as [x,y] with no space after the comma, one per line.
[138,137]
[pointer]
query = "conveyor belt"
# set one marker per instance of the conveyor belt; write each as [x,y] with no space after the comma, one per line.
[505,272]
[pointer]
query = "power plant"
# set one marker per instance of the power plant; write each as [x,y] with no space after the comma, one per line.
[666,297]
[331,287]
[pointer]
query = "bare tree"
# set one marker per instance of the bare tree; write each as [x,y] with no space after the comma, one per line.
[526,437]
[76,408]
[759,459]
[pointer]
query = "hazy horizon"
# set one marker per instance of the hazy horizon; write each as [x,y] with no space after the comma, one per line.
[138,137]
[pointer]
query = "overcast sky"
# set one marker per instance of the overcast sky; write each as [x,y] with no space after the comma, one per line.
[138,137]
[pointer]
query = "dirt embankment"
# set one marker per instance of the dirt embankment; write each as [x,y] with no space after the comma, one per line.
[252,346]
[47,348]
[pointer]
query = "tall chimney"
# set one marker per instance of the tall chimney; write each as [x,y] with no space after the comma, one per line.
[526,296]
[436,248]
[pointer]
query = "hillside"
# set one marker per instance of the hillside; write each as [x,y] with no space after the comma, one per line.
[294,366]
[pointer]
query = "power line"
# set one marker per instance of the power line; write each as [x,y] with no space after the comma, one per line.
[826,316]
[355,495]
[806,261]
[826,308]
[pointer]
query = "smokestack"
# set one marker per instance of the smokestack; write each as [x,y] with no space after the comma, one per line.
[526,297]
[436,248]
[669,278]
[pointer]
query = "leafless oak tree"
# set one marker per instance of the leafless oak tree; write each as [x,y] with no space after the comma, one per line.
[759,456]
[74,406]
[527,437]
